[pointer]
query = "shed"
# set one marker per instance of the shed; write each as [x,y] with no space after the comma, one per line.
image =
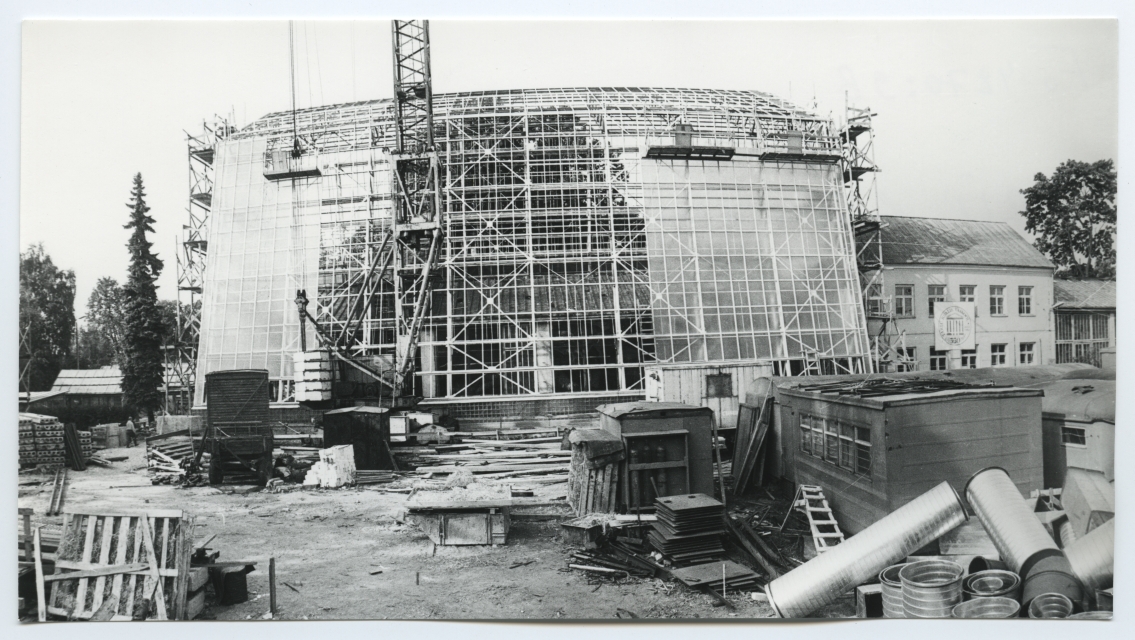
[86,397]
[367,429]
[1079,428]
[873,448]
[668,446]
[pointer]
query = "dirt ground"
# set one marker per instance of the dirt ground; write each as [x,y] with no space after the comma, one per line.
[327,543]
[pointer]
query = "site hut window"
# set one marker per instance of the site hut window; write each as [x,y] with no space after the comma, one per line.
[904,301]
[837,443]
[1028,352]
[997,355]
[719,385]
[1074,436]
[935,293]
[1024,301]
[967,293]
[997,300]
[969,358]
[937,360]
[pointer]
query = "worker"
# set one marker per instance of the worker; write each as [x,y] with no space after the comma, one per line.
[131,437]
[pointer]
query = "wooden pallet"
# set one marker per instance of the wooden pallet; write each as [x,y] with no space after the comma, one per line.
[132,564]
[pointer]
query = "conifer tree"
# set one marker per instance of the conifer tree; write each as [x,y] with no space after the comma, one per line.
[142,370]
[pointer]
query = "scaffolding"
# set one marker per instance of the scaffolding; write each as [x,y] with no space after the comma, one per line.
[588,232]
[193,244]
[888,345]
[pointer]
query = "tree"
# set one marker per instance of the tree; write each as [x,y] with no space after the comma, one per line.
[47,317]
[1073,217]
[106,317]
[144,329]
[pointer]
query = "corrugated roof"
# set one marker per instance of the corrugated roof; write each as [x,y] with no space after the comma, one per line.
[961,242]
[1084,294]
[104,381]
[36,396]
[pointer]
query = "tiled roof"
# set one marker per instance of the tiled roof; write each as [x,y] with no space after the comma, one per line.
[958,242]
[1084,294]
[107,380]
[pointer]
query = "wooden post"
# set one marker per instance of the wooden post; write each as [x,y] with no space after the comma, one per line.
[272,586]
[40,597]
[27,515]
[720,473]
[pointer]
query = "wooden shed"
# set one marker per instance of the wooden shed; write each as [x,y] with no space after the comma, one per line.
[367,429]
[872,452]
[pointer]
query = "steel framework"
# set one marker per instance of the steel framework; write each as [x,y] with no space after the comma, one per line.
[560,271]
[888,345]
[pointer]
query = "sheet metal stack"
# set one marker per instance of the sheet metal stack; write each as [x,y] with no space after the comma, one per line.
[688,529]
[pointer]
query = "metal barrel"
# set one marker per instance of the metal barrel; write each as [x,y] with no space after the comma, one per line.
[892,591]
[1051,574]
[992,583]
[1050,605]
[1092,557]
[988,608]
[826,577]
[1017,534]
[1091,615]
[931,588]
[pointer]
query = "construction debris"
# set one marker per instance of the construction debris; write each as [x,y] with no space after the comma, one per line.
[688,529]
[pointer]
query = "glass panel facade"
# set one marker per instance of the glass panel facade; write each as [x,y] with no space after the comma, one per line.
[571,259]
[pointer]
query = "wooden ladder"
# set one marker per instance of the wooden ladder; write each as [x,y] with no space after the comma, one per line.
[825,530]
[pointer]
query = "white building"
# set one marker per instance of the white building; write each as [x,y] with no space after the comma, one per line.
[930,260]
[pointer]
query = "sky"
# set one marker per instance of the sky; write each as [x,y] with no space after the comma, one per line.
[968,111]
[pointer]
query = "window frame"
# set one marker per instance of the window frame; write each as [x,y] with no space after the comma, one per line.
[838,443]
[932,297]
[971,296]
[908,306]
[994,354]
[1066,430]
[1025,300]
[970,356]
[941,358]
[997,293]
[716,386]
[1022,351]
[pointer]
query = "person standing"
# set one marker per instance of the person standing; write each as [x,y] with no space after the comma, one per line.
[131,437]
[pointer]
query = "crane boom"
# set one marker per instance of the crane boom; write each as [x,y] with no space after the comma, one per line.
[417,215]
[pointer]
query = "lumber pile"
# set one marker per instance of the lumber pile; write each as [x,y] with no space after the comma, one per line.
[593,478]
[167,452]
[374,477]
[536,460]
[41,440]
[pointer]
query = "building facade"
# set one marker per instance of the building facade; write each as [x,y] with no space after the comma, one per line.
[928,261]
[1083,320]
[589,233]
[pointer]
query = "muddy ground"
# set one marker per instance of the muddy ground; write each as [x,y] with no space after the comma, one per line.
[327,543]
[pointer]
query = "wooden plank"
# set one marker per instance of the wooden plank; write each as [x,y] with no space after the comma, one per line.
[26,514]
[108,570]
[39,589]
[72,565]
[88,548]
[746,544]
[157,513]
[104,559]
[132,580]
[124,528]
[69,532]
[153,588]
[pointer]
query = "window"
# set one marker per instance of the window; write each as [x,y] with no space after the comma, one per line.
[1024,301]
[967,293]
[997,300]
[904,301]
[935,293]
[969,358]
[1073,435]
[719,385]
[1028,352]
[997,355]
[937,360]
[837,443]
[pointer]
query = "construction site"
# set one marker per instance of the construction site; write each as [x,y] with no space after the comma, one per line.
[593,352]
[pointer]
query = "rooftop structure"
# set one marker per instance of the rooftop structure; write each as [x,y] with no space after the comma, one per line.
[588,232]
[956,242]
[1084,294]
[104,381]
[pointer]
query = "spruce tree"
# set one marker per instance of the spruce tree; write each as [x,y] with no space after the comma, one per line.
[142,370]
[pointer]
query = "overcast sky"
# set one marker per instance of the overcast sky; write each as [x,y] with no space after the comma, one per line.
[968,111]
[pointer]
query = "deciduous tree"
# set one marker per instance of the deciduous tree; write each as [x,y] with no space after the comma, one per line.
[47,317]
[1073,217]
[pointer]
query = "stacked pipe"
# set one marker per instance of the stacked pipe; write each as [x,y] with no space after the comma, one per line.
[891,588]
[988,608]
[1092,557]
[931,588]
[1024,545]
[826,577]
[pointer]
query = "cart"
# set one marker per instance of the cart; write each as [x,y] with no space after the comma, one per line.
[238,436]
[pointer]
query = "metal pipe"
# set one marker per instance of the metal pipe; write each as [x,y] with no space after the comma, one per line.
[992,584]
[824,578]
[1050,605]
[988,608]
[931,588]
[1066,533]
[1017,534]
[892,591]
[1093,557]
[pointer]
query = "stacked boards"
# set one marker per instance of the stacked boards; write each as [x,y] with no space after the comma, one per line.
[41,440]
[713,574]
[688,528]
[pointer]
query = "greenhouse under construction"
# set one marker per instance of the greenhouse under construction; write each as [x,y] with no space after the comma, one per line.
[593,238]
